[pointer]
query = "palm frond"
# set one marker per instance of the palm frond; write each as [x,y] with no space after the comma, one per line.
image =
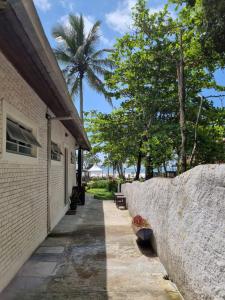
[77,26]
[65,36]
[75,86]
[102,63]
[100,53]
[62,55]
[92,38]
[93,35]
[99,70]
[97,84]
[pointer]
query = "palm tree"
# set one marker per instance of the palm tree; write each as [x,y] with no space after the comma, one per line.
[77,53]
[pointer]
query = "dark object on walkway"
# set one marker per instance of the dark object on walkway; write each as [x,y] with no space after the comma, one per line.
[77,197]
[146,248]
[117,194]
[143,234]
[81,195]
[121,201]
[73,202]
[142,228]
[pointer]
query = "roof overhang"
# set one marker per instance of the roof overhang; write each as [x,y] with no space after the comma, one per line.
[23,42]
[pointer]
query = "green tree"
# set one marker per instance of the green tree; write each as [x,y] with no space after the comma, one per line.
[77,54]
[91,159]
[211,22]
[163,68]
[115,135]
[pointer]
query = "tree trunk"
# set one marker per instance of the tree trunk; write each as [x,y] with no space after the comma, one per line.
[148,168]
[81,99]
[196,133]
[137,176]
[81,116]
[165,169]
[118,167]
[181,96]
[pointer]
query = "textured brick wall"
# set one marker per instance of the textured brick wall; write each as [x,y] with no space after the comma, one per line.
[23,183]
[23,180]
[64,139]
[187,215]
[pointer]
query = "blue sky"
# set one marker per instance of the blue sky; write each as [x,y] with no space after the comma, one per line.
[115,16]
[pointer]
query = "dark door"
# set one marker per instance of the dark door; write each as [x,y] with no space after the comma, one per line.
[66,175]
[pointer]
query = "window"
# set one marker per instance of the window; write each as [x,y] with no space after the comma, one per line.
[20,140]
[55,152]
[73,158]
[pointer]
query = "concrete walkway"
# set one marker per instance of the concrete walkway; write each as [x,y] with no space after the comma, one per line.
[92,255]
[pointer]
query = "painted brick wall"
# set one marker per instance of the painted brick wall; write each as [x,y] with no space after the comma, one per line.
[23,183]
[63,138]
[23,180]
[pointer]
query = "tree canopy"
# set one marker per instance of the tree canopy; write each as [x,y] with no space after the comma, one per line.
[161,72]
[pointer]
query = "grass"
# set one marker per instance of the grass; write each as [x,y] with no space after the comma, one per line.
[101,193]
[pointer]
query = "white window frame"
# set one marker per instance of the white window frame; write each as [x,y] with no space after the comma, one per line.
[10,112]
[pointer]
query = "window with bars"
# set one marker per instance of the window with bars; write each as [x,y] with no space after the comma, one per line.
[55,152]
[20,140]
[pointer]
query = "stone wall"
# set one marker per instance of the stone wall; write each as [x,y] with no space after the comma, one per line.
[187,215]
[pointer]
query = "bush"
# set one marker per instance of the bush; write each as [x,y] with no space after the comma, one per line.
[98,184]
[112,185]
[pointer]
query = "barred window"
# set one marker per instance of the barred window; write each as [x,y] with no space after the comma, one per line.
[20,140]
[55,152]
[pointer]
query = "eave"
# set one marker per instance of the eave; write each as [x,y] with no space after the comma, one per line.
[23,42]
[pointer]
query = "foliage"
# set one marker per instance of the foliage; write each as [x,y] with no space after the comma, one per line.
[147,127]
[101,194]
[211,22]
[107,184]
[112,185]
[90,159]
[98,184]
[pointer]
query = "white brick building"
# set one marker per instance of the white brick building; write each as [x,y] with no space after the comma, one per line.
[37,168]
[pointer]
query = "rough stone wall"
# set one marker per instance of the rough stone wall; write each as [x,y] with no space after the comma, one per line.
[187,215]
[23,180]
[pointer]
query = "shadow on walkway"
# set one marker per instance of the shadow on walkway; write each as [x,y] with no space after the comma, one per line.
[70,264]
[92,256]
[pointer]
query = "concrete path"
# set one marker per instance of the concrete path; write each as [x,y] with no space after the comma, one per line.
[92,255]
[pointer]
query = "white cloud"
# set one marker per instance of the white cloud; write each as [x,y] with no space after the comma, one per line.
[68,4]
[44,5]
[120,20]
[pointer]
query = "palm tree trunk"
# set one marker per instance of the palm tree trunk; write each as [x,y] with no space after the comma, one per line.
[82,120]
[81,99]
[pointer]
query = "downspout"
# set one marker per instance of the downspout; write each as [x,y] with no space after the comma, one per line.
[49,129]
[79,177]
